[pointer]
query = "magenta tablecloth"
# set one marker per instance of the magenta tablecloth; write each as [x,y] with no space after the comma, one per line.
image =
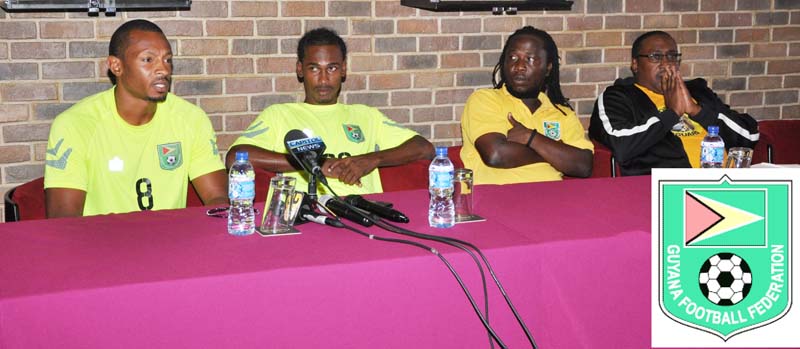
[573,256]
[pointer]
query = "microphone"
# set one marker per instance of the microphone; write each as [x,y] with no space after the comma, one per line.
[380,210]
[340,209]
[322,219]
[305,150]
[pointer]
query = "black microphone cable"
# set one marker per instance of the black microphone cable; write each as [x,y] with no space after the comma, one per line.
[484,318]
[446,263]
[400,230]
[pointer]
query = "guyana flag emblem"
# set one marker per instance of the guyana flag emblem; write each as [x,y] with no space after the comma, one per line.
[170,155]
[353,133]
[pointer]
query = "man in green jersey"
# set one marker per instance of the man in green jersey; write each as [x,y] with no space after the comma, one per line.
[359,138]
[135,146]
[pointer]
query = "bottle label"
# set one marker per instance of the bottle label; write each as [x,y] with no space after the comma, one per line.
[441,179]
[711,153]
[241,188]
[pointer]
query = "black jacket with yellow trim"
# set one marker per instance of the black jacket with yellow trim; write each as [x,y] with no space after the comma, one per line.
[640,137]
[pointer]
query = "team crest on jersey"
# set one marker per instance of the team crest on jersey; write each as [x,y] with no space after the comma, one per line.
[552,129]
[170,156]
[353,133]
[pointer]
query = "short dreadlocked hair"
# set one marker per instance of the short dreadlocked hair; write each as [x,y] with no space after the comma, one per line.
[552,83]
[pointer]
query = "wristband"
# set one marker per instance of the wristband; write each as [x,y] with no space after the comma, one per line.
[533,134]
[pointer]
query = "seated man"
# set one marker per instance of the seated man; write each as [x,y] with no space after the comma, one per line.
[358,138]
[134,146]
[523,130]
[655,119]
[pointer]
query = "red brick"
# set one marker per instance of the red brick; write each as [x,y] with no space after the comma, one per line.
[28,92]
[704,69]
[592,74]
[13,112]
[339,25]
[363,45]
[438,43]
[371,63]
[718,5]
[230,66]
[288,84]
[452,96]
[398,115]
[792,81]
[68,70]
[735,19]
[374,99]
[225,104]
[733,51]
[3,50]
[604,6]
[148,14]
[623,22]
[349,8]
[424,131]
[642,6]
[617,55]
[661,21]
[197,87]
[276,65]
[248,85]
[783,66]
[373,27]
[502,24]
[434,80]
[780,97]
[764,82]
[786,34]
[49,111]
[695,20]
[680,5]
[417,26]
[460,60]
[738,99]
[254,9]
[568,74]
[66,30]
[393,9]
[206,9]
[752,35]
[17,30]
[414,98]
[790,112]
[259,103]
[549,24]
[412,62]
[279,27]
[26,132]
[356,82]
[14,153]
[106,27]
[482,42]
[603,39]
[461,25]
[38,50]
[39,151]
[697,52]
[203,47]
[429,114]
[580,91]
[181,27]
[583,56]
[224,141]
[303,9]
[23,173]
[19,71]
[769,50]
[583,23]
[449,130]
[395,44]
[684,36]
[229,28]
[568,40]
[238,122]
[389,81]
[242,47]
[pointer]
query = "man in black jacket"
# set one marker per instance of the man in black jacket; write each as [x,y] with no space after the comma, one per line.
[655,119]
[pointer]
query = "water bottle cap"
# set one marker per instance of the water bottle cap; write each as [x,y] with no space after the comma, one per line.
[713,130]
[241,156]
[441,151]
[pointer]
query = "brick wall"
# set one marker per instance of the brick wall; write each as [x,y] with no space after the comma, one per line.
[236,57]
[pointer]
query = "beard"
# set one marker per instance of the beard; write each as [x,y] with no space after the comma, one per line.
[157,99]
[531,93]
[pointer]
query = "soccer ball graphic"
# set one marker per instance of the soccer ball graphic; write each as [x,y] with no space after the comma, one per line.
[725,279]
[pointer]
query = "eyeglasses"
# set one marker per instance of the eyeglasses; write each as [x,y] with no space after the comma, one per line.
[222,212]
[656,57]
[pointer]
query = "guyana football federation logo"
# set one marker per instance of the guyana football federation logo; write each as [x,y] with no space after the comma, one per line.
[724,253]
[353,133]
[170,156]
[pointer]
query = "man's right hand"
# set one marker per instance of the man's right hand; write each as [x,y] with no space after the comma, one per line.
[676,95]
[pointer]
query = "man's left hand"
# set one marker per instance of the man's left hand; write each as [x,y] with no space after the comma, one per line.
[518,133]
[349,170]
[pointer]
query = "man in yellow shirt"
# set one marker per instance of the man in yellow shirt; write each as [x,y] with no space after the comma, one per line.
[359,138]
[655,119]
[135,146]
[523,130]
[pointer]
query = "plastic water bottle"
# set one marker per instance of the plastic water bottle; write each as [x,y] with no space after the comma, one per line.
[241,192]
[441,213]
[712,149]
